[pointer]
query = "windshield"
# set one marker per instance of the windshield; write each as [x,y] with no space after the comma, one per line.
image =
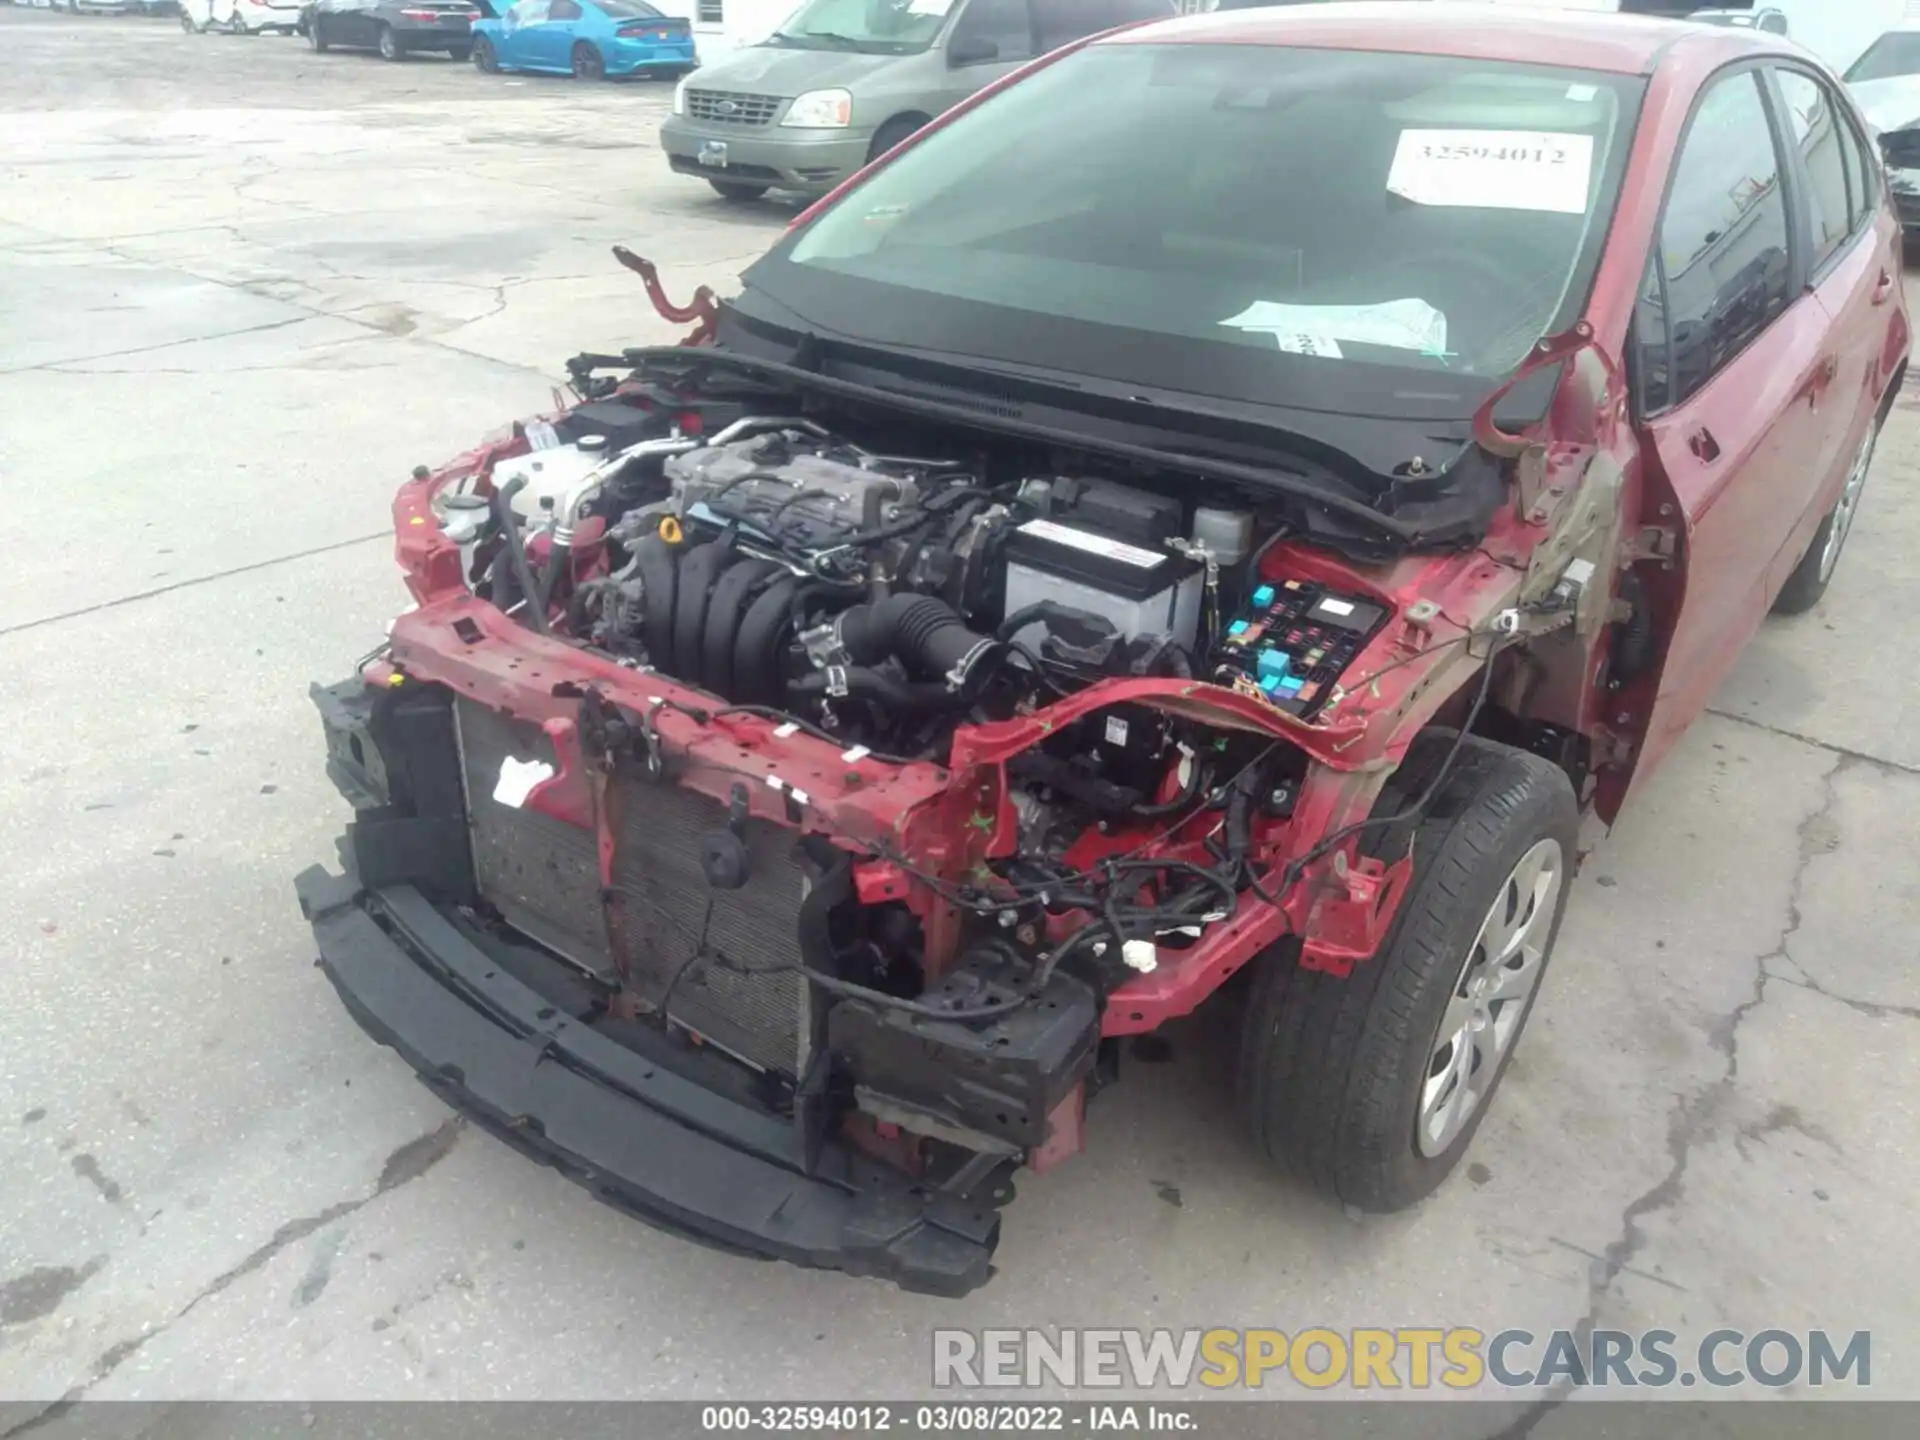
[880,27]
[1893,54]
[1197,212]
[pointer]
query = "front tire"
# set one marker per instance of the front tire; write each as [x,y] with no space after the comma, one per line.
[891,134]
[484,58]
[1814,573]
[317,37]
[588,63]
[1371,1087]
[389,45]
[738,193]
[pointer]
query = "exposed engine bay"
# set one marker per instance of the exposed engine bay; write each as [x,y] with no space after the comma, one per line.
[885,597]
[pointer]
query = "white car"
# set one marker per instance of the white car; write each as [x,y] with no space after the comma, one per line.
[241,17]
[1885,82]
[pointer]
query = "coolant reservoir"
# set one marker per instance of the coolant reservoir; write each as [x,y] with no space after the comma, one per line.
[550,474]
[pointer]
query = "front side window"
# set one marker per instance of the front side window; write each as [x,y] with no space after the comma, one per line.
[1339,209]
[1723,241]
[1822,135]
[993,30]
[874,27]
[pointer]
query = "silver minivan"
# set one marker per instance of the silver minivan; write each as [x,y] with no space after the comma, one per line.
[841,82]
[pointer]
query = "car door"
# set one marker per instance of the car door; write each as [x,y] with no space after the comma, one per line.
[553,40]
[1854,264]
[990,38]
[1729,357]
[519,32]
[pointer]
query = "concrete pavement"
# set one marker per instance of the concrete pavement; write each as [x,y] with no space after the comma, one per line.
[243,289]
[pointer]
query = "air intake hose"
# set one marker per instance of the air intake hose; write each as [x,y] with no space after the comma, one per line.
[925,634]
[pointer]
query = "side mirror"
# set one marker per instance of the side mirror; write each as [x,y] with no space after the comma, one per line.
[972,50]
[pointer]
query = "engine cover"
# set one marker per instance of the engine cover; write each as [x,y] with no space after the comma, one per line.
[806,498]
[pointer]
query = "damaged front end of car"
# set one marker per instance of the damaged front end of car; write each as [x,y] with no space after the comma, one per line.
[780,799]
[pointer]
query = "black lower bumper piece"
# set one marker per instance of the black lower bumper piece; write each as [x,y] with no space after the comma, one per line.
[644,1138]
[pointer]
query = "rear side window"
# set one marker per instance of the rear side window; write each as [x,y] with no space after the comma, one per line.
[1828,153]
[1723,242]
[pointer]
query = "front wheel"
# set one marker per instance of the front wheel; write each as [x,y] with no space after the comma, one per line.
[733,190]
[1370,1087]
[316,37]
[1814,573]
[588,64]
[484,57]
[235,25]
[389,45]
[891,134]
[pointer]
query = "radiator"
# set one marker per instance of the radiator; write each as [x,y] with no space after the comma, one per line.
[702,955]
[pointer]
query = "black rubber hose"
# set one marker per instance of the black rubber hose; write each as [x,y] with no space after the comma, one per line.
[503,590]
[503,516]
[883,689]
[924,633]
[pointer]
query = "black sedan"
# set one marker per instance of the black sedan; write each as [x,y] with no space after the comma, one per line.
[396,28]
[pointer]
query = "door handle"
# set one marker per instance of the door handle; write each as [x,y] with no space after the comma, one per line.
[1705,448]
[1883,290]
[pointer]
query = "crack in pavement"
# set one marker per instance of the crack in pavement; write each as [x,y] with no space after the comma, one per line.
[308,312]
[406,1164]
[160,345]
[1899,767]
[115,604]
[1692,1121]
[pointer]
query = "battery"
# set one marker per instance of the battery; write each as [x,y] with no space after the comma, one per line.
[1141,591]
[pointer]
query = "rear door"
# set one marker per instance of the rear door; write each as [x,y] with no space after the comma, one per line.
[1854,264]
[553,42]
[1731,352]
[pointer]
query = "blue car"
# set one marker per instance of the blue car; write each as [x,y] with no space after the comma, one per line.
[589,39]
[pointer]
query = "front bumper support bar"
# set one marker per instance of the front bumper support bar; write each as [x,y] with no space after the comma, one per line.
[637,1135]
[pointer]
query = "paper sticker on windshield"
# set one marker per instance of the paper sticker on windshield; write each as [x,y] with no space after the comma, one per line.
[1494,169]
[1319,329]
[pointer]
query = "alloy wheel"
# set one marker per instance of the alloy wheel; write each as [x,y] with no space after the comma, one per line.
[1848,507]
[1498,977]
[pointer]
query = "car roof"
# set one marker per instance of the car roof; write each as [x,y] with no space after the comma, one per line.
[1468,29]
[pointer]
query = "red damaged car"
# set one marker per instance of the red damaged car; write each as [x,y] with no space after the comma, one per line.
[1210,515]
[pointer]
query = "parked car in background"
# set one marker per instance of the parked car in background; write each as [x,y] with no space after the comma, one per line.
[842,82]
[1766,19]
[588,39]
[396,28]
[1885,82]
[241,17]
